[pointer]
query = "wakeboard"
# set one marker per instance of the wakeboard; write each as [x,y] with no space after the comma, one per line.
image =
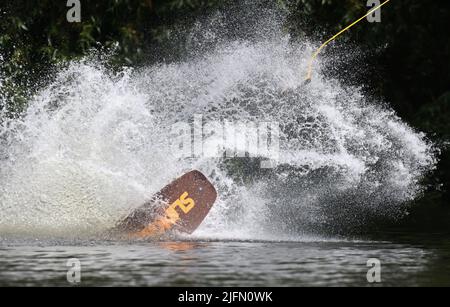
[180,206]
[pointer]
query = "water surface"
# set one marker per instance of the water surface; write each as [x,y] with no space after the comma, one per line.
[226,263]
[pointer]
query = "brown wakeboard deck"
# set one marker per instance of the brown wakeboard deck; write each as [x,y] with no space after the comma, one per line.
[181,206]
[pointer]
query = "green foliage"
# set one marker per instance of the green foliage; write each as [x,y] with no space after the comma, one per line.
[433,117]
[35,35]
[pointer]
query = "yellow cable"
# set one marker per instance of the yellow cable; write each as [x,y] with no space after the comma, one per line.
[310,68]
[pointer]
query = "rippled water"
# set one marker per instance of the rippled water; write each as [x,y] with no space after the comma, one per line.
[226,263]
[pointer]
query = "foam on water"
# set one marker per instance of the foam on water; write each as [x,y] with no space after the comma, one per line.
[93,144]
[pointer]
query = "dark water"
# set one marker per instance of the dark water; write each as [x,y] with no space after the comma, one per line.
[228,263]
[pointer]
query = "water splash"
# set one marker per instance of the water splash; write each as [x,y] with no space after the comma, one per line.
[92,145]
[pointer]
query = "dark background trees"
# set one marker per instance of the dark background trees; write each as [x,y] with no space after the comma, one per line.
[409,60]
